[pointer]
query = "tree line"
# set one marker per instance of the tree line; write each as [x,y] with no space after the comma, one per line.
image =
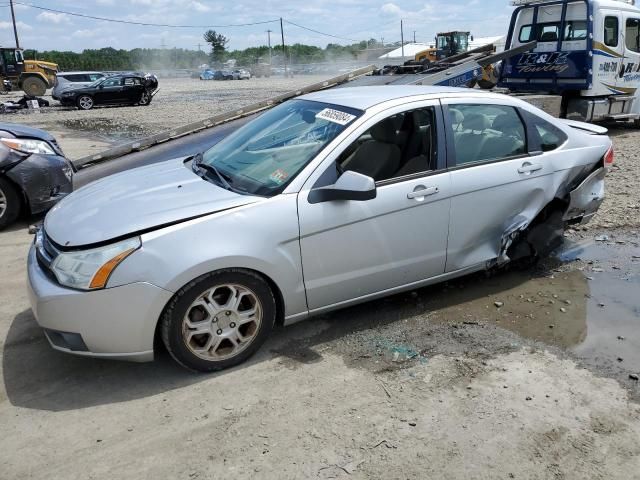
[150,59]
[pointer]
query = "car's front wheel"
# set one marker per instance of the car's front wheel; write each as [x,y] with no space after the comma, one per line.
[9,203]
[145,99]
[85,102]
[218,320]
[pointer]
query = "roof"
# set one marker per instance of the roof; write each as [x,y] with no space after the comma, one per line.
[410,50]
[85,72]
[363,98]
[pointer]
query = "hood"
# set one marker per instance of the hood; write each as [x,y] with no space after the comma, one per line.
[23,131]
[136,201]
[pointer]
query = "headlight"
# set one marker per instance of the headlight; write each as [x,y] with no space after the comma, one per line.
[91,269]
[28,145]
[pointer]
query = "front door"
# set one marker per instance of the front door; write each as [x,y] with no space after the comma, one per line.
[352,249]
[110,91]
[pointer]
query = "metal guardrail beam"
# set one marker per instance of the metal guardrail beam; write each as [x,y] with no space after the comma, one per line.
[143,143]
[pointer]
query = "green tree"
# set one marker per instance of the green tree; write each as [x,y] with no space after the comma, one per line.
[218,44]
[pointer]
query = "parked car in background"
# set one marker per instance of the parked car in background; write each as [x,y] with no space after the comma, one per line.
[122,89]
[208,74]
[66,80]
[241,74]
[227,74]
[34,173]
[324,201]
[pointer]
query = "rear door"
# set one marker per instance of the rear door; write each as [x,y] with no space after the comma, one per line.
[498,180]
[353,249]
[132,89]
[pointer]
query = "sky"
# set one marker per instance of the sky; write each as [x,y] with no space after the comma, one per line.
[347,19]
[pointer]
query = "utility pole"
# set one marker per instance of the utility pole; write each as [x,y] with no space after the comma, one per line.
[269,43]
[199,49]
[402,38]
[15,29]
[414,36]
[284,53]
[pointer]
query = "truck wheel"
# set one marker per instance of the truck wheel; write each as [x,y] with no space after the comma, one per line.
[486,84]
[85,102]
[34,86]
[9,203]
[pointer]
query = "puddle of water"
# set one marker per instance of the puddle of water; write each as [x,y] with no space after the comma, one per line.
[584,309]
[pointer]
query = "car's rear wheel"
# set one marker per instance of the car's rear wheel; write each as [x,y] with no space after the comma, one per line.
[218,320]
[9,203]
[145,99]
[85,102]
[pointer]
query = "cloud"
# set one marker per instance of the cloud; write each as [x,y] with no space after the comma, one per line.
[52,17]
[200,7]
[20,25]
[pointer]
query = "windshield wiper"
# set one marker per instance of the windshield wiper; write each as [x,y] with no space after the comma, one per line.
[197,161]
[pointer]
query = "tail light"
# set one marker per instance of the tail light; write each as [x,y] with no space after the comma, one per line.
[608,157]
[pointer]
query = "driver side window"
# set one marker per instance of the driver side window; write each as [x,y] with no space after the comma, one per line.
[113,82]
[400,145]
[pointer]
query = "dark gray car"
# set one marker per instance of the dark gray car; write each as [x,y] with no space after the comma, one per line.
[34,173]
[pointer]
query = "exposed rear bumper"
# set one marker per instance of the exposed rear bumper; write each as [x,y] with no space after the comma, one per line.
[586,198]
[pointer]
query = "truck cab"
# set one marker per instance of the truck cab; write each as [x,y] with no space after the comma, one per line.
[588,52]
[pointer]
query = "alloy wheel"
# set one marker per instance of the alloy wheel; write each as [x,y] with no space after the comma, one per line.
[3,203]
[222,322]
[86,103]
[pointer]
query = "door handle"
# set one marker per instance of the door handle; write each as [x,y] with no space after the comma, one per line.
[421,191]
[528,168]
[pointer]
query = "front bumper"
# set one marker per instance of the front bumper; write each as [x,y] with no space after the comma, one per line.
[116,323]
[44,179]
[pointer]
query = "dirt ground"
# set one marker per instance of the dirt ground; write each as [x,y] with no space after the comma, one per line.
[438,383]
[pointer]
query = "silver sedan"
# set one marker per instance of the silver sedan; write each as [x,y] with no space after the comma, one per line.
[331,199]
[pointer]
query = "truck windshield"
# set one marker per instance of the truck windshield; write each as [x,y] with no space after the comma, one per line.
[263,156]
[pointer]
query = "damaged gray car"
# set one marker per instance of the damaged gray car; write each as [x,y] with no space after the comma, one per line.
[34,173]
[334,198]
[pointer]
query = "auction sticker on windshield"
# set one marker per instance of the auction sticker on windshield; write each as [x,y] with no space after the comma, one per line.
[335,116]
[279,176]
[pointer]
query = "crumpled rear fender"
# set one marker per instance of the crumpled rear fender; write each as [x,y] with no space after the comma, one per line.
[586,198]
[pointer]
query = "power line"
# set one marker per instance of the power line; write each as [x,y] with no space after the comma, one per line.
[321,33]
[114,20]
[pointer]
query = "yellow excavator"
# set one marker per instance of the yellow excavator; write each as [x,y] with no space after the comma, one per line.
[453,44]
[31,76]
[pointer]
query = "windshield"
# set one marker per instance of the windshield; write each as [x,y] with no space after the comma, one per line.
[264,155]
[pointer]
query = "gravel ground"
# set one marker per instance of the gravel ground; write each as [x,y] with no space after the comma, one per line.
[179,101]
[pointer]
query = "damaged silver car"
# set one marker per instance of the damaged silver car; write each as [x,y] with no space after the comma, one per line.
[331,199]
[34,173]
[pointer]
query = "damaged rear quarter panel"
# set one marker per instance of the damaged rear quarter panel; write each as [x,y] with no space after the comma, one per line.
[492,201]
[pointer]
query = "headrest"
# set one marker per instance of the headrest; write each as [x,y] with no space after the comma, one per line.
[384,131]
[456,115]
[476,122]
[504,123]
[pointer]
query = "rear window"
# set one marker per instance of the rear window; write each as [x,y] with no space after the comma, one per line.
[575,30]
[549,137]
[542,32]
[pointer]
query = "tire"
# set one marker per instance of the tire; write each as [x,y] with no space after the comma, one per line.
[85,102]
[9,203]
[145,99]
[34,86]
[486,84]
[230,333]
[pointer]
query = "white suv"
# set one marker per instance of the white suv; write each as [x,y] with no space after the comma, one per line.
[65,80]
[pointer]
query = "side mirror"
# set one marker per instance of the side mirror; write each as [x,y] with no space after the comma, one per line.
[350,186]
[101,87]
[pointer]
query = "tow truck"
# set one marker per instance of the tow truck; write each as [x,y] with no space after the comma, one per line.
[587,52]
